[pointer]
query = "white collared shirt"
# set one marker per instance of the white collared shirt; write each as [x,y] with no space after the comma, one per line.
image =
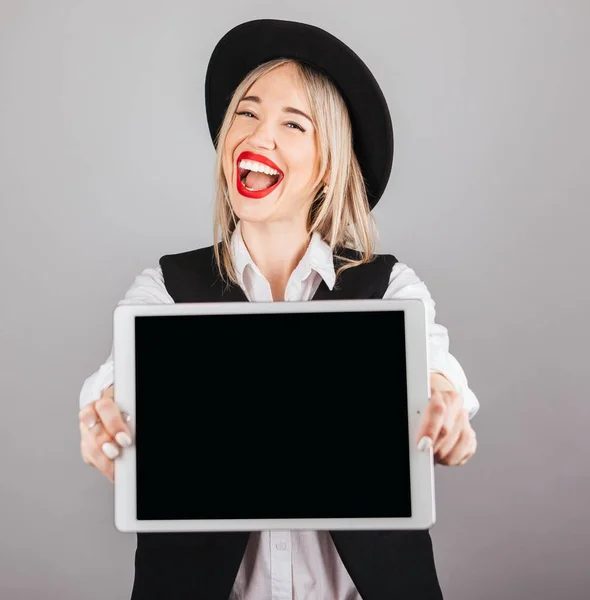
[295,565]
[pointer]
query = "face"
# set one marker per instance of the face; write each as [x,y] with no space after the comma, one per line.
[270,156]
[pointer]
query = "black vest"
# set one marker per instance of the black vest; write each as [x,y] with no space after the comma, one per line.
[384,565]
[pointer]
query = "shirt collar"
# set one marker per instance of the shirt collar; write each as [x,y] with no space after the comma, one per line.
[318,257]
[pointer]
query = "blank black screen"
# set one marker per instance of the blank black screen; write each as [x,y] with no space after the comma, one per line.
[265,416]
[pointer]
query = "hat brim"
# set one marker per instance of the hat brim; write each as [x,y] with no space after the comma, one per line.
[255,42]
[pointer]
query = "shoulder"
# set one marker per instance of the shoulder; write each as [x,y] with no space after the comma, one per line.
[192,276]
[384,263]
[380,262]
[199,262]
[199,255]
[368,279]
[405,283]
[398,280]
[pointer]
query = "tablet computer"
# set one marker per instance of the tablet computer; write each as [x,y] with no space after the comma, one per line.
[273,415]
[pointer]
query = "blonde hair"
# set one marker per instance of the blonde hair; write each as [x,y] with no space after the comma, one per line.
[341,214]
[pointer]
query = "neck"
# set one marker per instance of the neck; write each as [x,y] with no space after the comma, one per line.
[276,248]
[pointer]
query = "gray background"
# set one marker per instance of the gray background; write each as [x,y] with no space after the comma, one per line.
[106,164]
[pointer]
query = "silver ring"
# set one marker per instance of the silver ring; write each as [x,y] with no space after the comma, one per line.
[125,416]
[93,424]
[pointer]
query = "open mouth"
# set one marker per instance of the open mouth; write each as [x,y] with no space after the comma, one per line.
[257,176]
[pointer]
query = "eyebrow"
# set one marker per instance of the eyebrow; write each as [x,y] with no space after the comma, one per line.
[287,109]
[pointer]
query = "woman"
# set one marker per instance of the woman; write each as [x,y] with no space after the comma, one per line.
[304,152]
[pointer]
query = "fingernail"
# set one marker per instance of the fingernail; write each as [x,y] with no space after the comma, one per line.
[110,450]
[425,444]
[123,439]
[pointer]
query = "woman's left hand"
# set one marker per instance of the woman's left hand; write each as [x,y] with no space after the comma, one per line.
[447,425]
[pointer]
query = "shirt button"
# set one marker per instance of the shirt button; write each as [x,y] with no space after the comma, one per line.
[281,546]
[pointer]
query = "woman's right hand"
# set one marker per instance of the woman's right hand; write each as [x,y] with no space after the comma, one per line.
[103,432]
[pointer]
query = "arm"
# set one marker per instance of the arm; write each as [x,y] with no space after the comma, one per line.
[147,288]
[404,283]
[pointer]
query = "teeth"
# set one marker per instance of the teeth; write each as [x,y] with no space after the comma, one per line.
[252,165]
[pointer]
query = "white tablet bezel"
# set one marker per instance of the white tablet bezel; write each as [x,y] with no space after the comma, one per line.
[418,390]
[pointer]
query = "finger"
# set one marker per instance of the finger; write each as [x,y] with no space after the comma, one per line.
[446,442]
[93,445]
[113,421]
[97,437]
[93,456]
[88,416]
[462,451]
[472,444]
[454,454]
[452,413]
[434,417]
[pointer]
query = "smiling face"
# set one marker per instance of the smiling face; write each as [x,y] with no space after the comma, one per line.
[270,154]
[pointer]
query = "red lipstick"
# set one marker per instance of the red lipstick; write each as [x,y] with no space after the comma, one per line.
[265,161]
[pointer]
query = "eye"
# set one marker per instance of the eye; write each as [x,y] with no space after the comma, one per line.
[290,124]
[296,126]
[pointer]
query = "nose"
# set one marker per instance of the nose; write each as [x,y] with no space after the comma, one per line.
[263,136]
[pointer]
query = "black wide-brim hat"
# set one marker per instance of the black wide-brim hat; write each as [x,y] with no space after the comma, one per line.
[255,42]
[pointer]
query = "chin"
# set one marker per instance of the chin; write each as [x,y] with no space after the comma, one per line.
[253,211]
